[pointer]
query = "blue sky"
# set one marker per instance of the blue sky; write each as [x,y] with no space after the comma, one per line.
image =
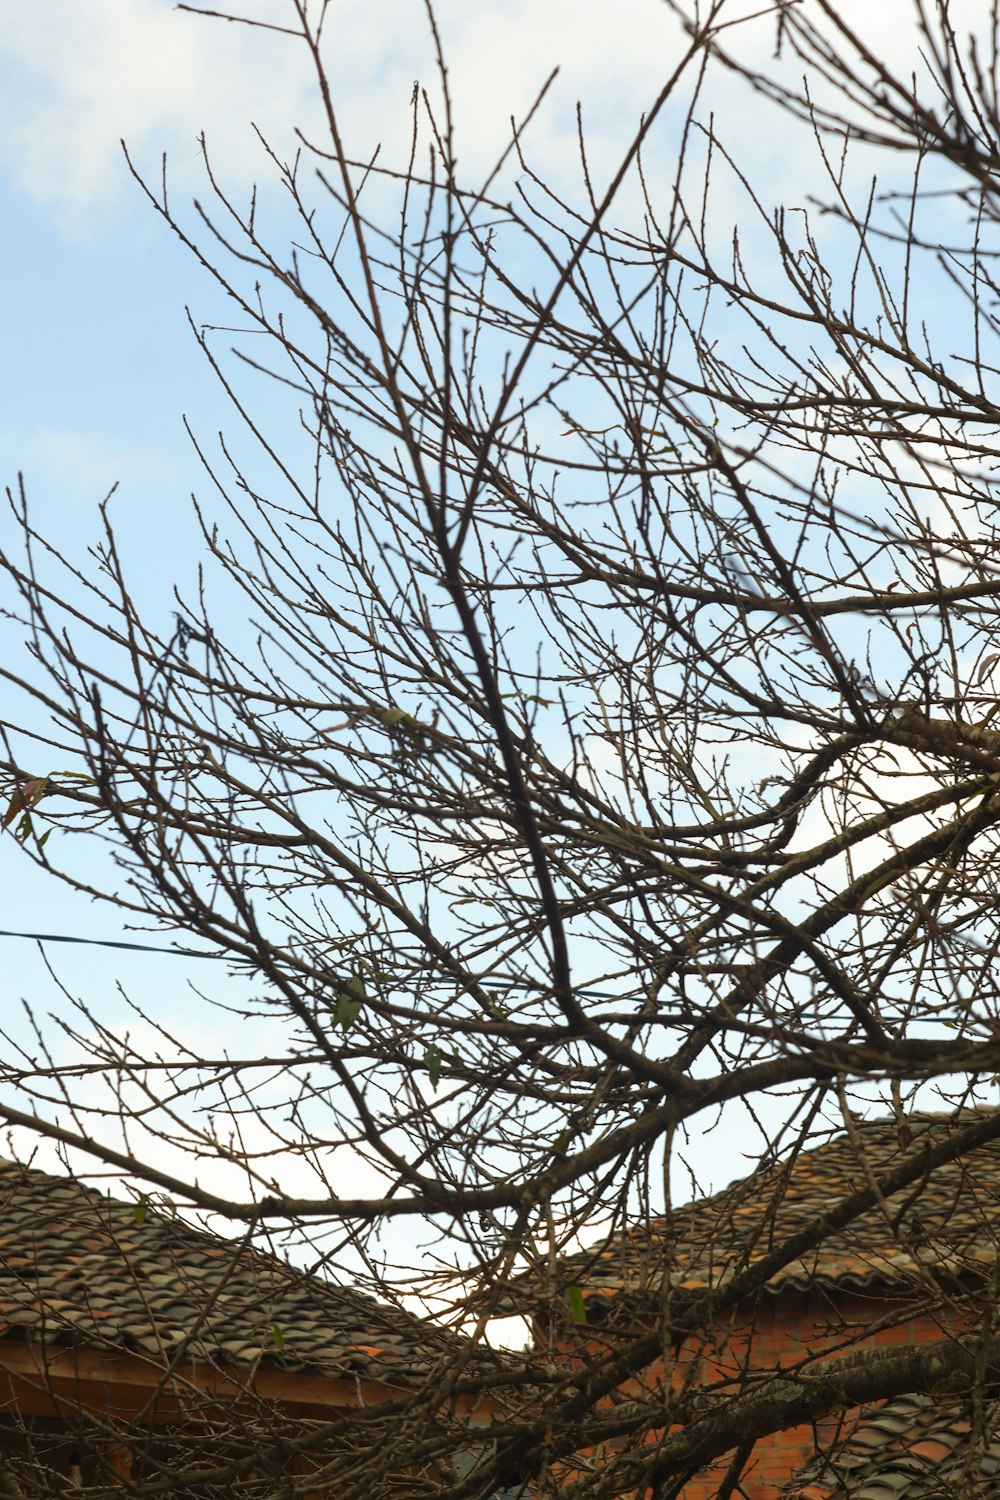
[100,364]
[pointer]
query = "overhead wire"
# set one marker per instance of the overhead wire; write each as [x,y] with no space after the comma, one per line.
[178,952]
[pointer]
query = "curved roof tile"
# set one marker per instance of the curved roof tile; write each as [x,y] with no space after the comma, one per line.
[916,1447]
[76,1266]
[948,1223]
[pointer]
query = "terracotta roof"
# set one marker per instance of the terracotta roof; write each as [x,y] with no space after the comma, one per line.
[77,1266]
[913,1448]
[948,1223]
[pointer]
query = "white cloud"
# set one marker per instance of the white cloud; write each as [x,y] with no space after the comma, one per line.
[79,462]
[78,75]
[81,75]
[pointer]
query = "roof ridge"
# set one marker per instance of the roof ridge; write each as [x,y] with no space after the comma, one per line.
[941,1223]
[78,1264]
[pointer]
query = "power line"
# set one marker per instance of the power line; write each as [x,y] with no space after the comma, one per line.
[500,985]
[62,937]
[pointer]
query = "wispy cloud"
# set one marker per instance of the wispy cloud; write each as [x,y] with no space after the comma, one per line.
[77,78]
[81,463]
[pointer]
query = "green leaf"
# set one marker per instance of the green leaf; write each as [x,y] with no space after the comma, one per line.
[432,1062]
[347,1004]
[141,1209]
[575,1303]
[278,1336]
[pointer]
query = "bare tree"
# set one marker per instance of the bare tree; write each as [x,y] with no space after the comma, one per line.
[581,720]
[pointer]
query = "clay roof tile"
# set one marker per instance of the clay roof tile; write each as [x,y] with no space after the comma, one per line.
[78,1266]
[916,1447]
[948,1223]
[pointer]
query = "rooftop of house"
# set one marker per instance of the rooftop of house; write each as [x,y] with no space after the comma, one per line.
[80,1268]
[916,1447]
[948,1222]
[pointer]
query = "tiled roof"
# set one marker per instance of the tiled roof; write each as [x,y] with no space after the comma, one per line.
[78,1267]
[917,1447]
[948,1223]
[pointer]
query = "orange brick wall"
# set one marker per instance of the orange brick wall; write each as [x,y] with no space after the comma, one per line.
[777,1332]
